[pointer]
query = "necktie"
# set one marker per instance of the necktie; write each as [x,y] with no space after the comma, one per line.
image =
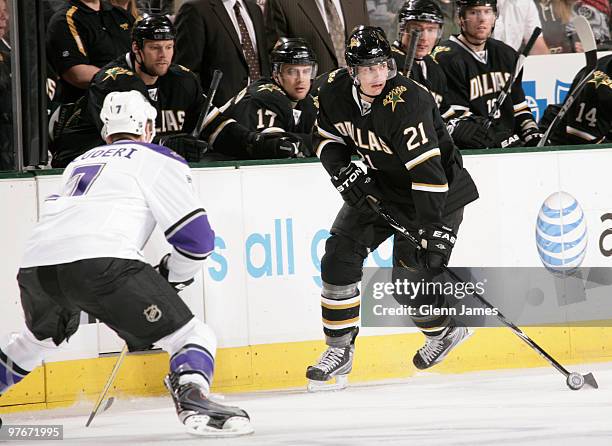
[336,31]
[247,46]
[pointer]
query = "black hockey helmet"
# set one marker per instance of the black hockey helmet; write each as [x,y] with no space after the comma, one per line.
[420,10]
[367,45]
[462,5]
[293,51]
[153,27]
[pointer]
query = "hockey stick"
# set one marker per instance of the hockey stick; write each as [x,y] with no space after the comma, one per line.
[511,80]
[212,90]
[574,380]
[109,383]
[415,35]
[585,34]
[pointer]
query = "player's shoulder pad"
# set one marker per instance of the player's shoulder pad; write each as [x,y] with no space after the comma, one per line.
[442,50]
[181,71]
[113,73]
[397,50]
[164,151]
[332,80]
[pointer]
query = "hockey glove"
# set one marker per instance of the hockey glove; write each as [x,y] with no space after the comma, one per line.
[469,132]
[437,242]
[355,186]
[532,136]
[273,145]
[162,268]
[190,148]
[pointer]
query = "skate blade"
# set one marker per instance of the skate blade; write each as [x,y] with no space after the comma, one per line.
[341,382]
[233,427]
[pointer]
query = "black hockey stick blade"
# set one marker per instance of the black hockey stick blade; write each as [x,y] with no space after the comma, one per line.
[590,380]
[585,34]
[214,85]
[415,35]
[501,98]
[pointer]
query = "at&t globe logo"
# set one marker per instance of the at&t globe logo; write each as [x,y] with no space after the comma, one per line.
[561,232]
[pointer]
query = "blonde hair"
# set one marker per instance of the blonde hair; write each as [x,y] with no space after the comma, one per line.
[130,7]
[563,9]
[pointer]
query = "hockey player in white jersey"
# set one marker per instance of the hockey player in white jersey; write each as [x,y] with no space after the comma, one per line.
[86,254]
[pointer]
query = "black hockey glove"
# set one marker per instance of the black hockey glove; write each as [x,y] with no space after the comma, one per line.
[470,132]
[162,268]
[532,136]
[190,148]
[355,186]
[437,242]
[273,145]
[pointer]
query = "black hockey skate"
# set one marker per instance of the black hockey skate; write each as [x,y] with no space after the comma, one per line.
[204,417]
[437,347]
[336,362]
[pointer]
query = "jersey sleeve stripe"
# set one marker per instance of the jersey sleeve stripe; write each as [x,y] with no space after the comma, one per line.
[331,136]
[424,187]
[422,158]
[183,221]
[73,30]
[579,133]
[272,130]
[221,126]
[194,238]
[210,116]
[522,106]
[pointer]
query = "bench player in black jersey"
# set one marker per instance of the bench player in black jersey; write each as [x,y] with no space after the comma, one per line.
[414,168]
[589,119]
[176,94]
[477,67]
[425,16]
[282,103]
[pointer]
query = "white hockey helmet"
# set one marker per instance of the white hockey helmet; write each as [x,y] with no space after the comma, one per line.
[126,112]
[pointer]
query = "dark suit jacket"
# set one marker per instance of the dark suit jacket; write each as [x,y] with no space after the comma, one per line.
[207,40]
[301,18]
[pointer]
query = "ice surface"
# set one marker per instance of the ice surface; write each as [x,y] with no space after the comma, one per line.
[518,407]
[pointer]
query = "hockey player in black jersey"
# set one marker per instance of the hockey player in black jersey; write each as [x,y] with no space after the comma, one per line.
[477,67]
[425,16]
[394,125]
[283,102]
[589,120]
[176,94]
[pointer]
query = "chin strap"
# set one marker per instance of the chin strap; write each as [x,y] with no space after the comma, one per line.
[142,66]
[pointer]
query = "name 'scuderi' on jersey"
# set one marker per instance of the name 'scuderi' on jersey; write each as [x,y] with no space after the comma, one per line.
[373,142]
[487,83]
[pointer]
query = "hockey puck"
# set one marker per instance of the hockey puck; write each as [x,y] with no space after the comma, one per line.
[575,381]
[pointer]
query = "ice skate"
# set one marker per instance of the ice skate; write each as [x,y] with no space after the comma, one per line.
[334,365]
[203,417]
[437,347]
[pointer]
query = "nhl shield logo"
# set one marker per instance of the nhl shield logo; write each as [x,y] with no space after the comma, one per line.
[153,313]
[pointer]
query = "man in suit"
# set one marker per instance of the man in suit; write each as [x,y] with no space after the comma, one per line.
[324,24]
[222,34]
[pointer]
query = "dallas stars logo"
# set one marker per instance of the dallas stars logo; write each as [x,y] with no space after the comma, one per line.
[354,43]
[394,97]
[116,71]
[270,87]
[124,26]
[439,49]
[601,78]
